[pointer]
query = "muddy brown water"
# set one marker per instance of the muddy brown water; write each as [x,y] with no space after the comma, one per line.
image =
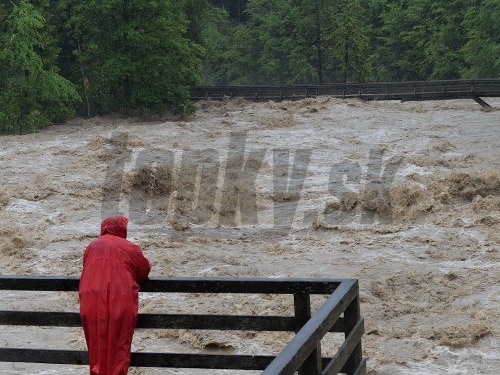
[424,243]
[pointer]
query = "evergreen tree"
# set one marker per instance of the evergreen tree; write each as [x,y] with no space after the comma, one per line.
[316,22]
[196,11]
[135,54]
[350,44]
[217,39]
[270,46]
[444,48]
[243,56]
[422,39]
[142,55]
[482,50]
[32,93]
[235,8]
[373,11]
[399,56]
[302,41]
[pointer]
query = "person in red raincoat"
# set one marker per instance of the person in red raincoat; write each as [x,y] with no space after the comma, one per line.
[109,296]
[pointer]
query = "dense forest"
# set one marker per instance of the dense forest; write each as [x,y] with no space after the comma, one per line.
[65,57]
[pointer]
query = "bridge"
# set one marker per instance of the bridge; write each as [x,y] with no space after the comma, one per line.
[404,91]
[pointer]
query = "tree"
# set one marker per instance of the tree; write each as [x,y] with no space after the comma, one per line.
[32,93]
[444,53]
[135,54]
[422,39]
[482,50]
[398,56]
[378,51]
[235,8]
[350,44]
[196,11]
[270,47]
[437,36]
[303,41]
[217,38]
[315,23]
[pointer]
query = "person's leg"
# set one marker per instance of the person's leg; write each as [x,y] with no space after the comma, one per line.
[121,331]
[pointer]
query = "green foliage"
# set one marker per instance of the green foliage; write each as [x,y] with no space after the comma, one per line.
[482,50]
[316,22]
[304,41]
[269,45]
[142,55]
[234,8]
[195,11]
[217,39]
[288,41]
[134,54]
[32,93]
[423,39]
[350,43]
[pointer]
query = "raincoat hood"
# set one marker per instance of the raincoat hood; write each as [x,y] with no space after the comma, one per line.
[115,225]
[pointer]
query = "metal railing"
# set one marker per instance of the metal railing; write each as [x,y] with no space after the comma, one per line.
[404,91]
[340,313]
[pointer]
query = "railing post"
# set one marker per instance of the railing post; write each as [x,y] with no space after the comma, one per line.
[351,317]
[302,307]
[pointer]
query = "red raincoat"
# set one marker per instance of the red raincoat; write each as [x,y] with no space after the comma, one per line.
[109,296]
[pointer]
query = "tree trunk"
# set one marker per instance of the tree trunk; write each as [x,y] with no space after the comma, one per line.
[318,42]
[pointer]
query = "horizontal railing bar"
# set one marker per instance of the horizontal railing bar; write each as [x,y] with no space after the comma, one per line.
[408,92]
[40,318]
[358,84]
[173,360]
[451,82]
[217,322]
[57,357]
[184,284]
[240,285]
[141,359]
[39,283]
[422,90]
[202,361]
[225,322]
[165,321]
[294,354]
[345,350]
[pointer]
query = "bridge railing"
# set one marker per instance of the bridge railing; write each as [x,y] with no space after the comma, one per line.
[340,313]
[411,90]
